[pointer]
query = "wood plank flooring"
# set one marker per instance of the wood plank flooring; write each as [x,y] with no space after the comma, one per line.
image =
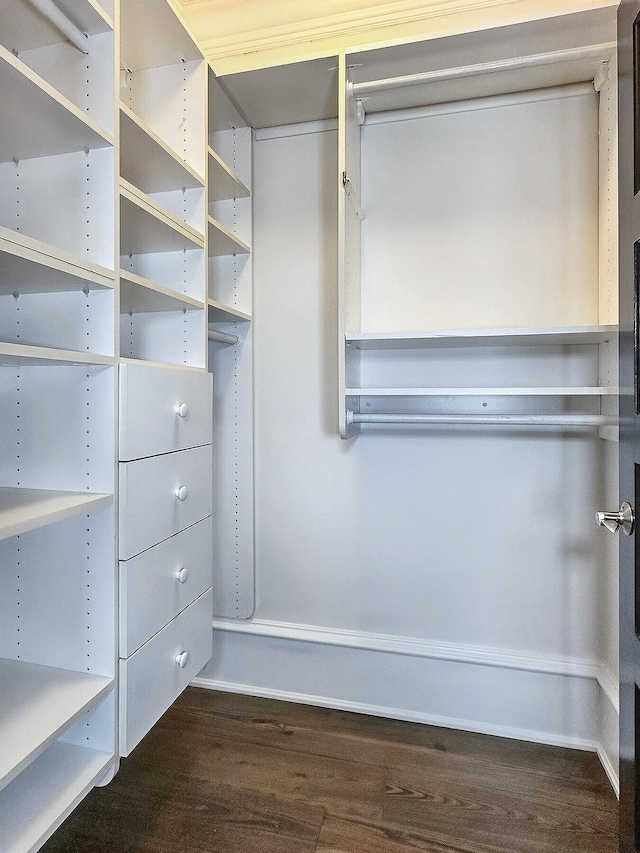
[232,774]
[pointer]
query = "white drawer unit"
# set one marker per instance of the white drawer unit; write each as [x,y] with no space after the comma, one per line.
[152,678]
[162,410]
[162,495]
[159,583]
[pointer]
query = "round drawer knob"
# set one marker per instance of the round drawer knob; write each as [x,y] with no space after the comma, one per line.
[182,659]
[182,575]
[182,493]
[182,410]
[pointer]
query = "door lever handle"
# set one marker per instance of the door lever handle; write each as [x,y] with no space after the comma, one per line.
[613,521]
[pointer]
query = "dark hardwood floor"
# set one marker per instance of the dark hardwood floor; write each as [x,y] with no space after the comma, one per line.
[231,774]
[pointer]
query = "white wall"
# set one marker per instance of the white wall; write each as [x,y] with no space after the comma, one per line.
[434,576]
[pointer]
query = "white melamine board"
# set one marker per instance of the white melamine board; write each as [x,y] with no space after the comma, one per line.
[233,473]
[37,802]
[147,161]
[152,36]
[230,283]
[87,80]
[485,220]
[58,427]
[171,100]
[169,337]
[22,27]
[181,271]
[234,215]
[608,195]
[234,148]
[220,313]
[22,354]
[146,227]
[187,205]
[223,113]
[223,181]
[139,294]
[66,201]
[71,320]
[482,392]
[22,510]
[224,242]
[36,704]
[30,266]
[482,338]
[39,106]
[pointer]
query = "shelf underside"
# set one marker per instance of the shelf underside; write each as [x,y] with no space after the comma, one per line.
[36,704]
[22,354]
[146,227]
[23,28]
[223,181]
[22,510]
[220,313]
[28,107]
[572,335]
[140,295]
[223,242]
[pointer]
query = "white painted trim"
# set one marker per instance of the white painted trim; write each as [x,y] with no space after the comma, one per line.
[552,739]
[300,129]
[609,769]
[417,647]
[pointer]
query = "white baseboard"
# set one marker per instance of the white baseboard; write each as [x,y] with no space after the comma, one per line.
[609,769]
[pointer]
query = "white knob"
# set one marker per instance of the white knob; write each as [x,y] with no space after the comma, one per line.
[182,575]
[182,493]
[182,410]
[182,659]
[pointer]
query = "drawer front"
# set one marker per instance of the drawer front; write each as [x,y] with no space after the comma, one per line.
[151,679]
[159,583]
[162,410]
[162,495]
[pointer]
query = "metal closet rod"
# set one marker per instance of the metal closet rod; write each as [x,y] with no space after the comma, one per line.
[597,52]
[223,337]
[62,23]
[514,420]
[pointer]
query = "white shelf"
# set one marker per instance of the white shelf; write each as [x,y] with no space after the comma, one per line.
[153,36]
[37,703]
[48,122]
[23,354]
[36,803]
[31,266]
[220,313]
[22,510]
[147,162]
[223,181]
[572,335]
[140,295]
[224,242]
[561,391]
[166,365]
[24,28]
[147,227]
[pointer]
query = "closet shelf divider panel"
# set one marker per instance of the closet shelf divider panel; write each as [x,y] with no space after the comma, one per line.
[30,104]
[223,181]
[224,242]
[37,704]
[140,295]
[148,227]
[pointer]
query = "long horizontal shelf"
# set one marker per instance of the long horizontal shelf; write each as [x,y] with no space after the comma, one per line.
[166,365]
[31,266]
[418,418]
[22,510]
[528,391]
[37,703]
[147,227]
[34,805]
[23,354]
[482,338]
[37,120]
[24,28]
[220,313]
[224,242]
[141,295]
[223,181]
[147,162]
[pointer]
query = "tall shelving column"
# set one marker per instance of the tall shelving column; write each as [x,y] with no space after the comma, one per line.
[165,389]
[58,377]
[230,314]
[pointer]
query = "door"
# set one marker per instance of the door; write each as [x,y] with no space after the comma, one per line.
[629,202]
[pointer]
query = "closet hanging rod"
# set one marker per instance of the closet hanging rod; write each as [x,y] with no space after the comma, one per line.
[599,52]
[222,337]
[62,23]
[504,420]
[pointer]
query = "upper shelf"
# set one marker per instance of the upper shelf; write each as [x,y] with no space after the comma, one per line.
[24,28]
[220,313]
[31,266]
[223,181]
[153,36]
[147,227]
[572,335]
[141,295]
[147,161]
[25,354]
[457,391]
[22,510]
[224,242]
[37,120]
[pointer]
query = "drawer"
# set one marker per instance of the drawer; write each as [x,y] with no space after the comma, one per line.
[162,495]
[159,583]
[162,410]
[152,678]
